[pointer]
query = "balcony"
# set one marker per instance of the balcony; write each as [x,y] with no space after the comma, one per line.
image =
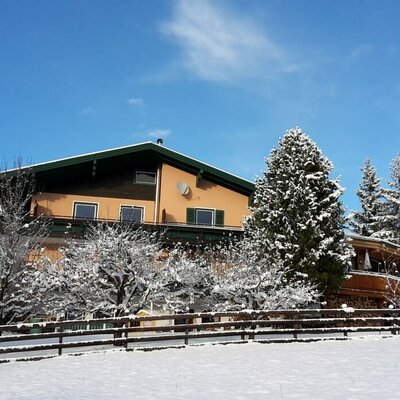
[370,284]
[67,227]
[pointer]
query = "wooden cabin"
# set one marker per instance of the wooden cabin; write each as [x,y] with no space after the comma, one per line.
[374,279]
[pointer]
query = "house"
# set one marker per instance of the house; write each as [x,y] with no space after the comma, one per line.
[146,184]
[186,199]
[374,279]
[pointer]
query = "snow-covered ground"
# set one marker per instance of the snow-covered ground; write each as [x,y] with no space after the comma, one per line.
[355,369]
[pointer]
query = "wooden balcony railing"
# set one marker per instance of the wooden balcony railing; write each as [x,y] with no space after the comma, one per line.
[370,284]
[66,226]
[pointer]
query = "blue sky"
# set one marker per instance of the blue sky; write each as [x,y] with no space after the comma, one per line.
[220,81]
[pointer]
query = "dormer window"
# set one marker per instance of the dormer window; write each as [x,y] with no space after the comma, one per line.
[145,177]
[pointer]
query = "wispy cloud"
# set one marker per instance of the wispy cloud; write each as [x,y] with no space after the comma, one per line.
[218,44]
[136,101]
[87,111]
[360,51]
[159,133]
[152,133]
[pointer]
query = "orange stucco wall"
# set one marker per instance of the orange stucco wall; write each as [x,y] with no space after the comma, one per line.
[49,250]
[61,205]
[207,195]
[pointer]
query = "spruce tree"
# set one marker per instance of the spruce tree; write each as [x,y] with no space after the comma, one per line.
[391,216]
[367,221]
[297,211]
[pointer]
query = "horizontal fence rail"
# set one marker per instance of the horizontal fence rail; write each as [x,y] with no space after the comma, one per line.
[277,325]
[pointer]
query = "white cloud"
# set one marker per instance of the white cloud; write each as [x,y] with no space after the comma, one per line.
[218,44]
[87,111]
[136,101]
[360,51]
[159,133]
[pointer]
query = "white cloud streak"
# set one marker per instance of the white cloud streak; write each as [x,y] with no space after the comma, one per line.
[136,101]
[361,51]
[159,133]
[218,44]
[87,111]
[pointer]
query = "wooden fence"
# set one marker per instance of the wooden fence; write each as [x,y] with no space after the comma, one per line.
[263,326]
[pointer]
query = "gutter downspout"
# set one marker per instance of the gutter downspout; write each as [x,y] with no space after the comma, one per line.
[157,200]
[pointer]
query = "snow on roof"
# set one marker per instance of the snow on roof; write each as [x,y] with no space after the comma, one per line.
[82,155]
[116,149]
[373,239]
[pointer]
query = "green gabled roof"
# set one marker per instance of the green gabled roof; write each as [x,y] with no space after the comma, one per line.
[169,156]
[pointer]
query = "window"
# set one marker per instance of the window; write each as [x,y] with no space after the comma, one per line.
[146,177]
[85,210]
[204,216]
[132,214]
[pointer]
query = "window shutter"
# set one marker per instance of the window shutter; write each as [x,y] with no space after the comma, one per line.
[219,217]
[191,215]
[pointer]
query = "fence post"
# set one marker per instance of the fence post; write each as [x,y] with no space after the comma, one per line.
[187,331]
[252,334]
[242,336]
[345,333]
[60,340]
[126,335]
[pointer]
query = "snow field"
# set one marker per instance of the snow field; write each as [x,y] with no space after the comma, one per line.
[355,369]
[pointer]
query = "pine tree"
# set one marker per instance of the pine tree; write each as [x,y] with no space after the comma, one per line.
[391,216]
[367,221]
[297,212]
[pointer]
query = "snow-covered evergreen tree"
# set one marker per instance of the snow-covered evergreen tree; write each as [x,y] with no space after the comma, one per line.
[21,239]
[367,221]
[114,271]
[391,217]
[249,279]
[297,211]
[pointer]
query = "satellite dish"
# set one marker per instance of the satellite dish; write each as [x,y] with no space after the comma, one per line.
[182,188]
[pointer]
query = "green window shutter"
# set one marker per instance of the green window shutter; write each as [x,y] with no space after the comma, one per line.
[251,200]
[191,215]
[219,217]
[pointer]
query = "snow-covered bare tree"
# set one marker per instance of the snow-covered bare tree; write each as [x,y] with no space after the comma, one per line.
[187,280]
[367,221]
[250,279]
[391,215]
[21,239]
[297,211]
[393,286]
[65,288]
[113,271]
